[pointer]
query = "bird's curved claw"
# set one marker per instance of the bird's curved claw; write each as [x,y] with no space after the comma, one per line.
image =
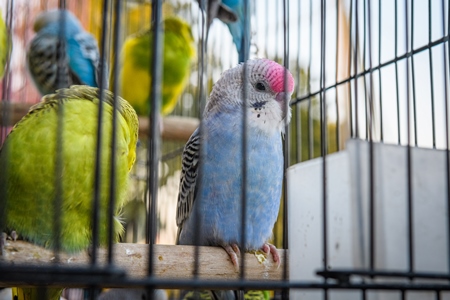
[234,253]
[271,249]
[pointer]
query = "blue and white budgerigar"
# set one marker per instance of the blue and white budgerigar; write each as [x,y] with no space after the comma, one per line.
[230,12]
[62,53]
[217,202]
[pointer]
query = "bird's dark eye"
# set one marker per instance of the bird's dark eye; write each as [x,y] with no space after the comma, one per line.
[260,86]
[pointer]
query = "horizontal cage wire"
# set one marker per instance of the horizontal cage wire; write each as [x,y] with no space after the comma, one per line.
[228,149]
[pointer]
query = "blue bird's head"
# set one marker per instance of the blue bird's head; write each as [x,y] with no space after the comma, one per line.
[51,21]
[269,88]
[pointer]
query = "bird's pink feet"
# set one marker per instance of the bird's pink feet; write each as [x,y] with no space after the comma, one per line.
[271,249]
[234,253]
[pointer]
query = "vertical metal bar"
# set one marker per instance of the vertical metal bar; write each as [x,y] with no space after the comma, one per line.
[349,86]
[379,72]
[202,100]
[247,31]
[287,146]
[310,118]
[413,74]
[338,140]
[59,157]
[298,129]
[396,72]
[408,150]
[112,179]
[323,138]
[430,53]
[154,134]
[98,153]
[447,139]
[363,69]
[360,217]
[371,151]
[355,70]
[277,29]
[438,295]
[244,145]
[266,24]
[366,93]
[298,108]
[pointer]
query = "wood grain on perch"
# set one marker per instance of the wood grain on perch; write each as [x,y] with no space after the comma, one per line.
[174,127]
[170,261]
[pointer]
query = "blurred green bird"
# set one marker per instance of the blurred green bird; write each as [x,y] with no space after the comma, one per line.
[134,76]
[28,177]
[5,46]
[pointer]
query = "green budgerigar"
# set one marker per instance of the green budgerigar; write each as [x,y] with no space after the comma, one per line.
[135,78]
[29,177]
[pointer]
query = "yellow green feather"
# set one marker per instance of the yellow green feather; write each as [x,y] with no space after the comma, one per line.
[135,77]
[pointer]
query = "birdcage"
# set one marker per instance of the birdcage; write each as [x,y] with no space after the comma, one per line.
[364,208]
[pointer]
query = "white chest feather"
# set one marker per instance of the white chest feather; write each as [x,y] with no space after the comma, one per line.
[266,117]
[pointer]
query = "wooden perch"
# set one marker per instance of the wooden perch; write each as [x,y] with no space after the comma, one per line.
[174,127]
[170,261]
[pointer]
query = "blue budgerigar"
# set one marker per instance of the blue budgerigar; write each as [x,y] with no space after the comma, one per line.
[62,53]
[230,12]
[217,200]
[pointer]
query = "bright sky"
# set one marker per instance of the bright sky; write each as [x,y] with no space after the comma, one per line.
[269,37]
